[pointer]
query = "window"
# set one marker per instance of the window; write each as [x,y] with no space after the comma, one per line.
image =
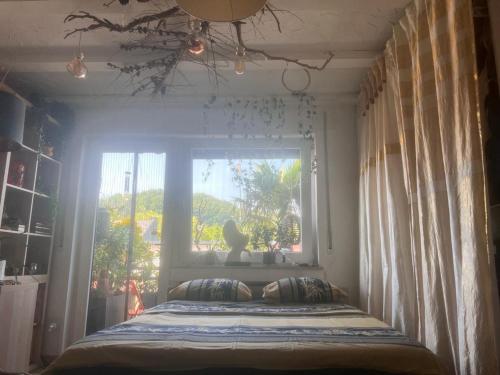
[127,237]
[264,190]
[263,185]
[162,204]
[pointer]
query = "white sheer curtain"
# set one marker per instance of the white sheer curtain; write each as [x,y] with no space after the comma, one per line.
[426,265]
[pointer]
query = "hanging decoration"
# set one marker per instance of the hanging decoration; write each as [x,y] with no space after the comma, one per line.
[239,62]
[296,91]
[257,117]
[189,31]
[76,67]
[267,116]
[196,43]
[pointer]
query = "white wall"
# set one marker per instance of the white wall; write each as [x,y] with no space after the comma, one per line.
[67,291]
[341,264]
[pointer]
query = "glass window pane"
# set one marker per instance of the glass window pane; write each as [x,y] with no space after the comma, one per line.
[112,229]
[148,238]
[111,299]
[258,189]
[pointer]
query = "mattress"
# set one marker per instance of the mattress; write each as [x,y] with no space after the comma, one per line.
[247,338]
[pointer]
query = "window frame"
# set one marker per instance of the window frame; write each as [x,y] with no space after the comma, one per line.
[176,231]
[304,146]
[176,235]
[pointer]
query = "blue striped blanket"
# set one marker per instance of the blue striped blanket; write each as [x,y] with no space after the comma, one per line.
[187,335]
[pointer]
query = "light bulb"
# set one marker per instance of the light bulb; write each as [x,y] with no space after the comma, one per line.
[239,66]
[196,46]
[239,61]
[194,25]
[77,68]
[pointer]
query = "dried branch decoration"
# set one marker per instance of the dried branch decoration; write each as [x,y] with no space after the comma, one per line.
[166,44]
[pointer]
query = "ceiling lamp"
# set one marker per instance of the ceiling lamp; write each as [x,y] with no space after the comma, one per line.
[12,112]
[221,10]
[77,68]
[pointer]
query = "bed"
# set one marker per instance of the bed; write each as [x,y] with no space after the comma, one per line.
[243,338]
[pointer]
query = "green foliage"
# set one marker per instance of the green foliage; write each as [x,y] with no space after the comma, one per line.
[266,213]
[211,210]
[149,204]
[150,201]
[112,236]
[271,197]
[110,254]
[209,216]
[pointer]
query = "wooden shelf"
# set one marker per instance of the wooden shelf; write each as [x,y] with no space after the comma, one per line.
[10,231]
[15,187]
[42,195]
[42,155]
[49,158]
[29,149]
[39,235]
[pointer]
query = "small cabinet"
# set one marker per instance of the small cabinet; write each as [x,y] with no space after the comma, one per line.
[17,312]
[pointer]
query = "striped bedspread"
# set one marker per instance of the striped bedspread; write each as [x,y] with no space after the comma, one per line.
[193,336]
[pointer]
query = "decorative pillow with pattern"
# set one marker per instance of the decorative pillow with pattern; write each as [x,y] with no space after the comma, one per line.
[211,290]
[303,290]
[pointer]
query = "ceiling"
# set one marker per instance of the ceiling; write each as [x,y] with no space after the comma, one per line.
[33,47]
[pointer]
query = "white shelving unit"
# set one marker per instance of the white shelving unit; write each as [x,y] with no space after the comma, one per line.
[32,202]
[30,205]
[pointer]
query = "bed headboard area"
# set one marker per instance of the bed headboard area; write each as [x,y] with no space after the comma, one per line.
[255,276]
[255,286]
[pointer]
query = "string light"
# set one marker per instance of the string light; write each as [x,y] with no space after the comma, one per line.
[196,44]
[76,67]
[239,61]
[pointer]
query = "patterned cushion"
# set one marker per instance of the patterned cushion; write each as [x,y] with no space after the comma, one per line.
[211,290]
[303,290]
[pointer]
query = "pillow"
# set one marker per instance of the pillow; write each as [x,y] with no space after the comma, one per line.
[303,290]
[211,290]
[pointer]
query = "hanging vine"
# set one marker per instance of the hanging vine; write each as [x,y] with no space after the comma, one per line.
[267,116]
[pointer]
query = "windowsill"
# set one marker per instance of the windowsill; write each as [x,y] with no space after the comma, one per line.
[252,273]
[256,266]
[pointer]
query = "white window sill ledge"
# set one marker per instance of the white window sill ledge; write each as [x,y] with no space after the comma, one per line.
[252,273]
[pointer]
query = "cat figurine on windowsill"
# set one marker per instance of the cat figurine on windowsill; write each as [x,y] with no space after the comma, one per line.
[237,241]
